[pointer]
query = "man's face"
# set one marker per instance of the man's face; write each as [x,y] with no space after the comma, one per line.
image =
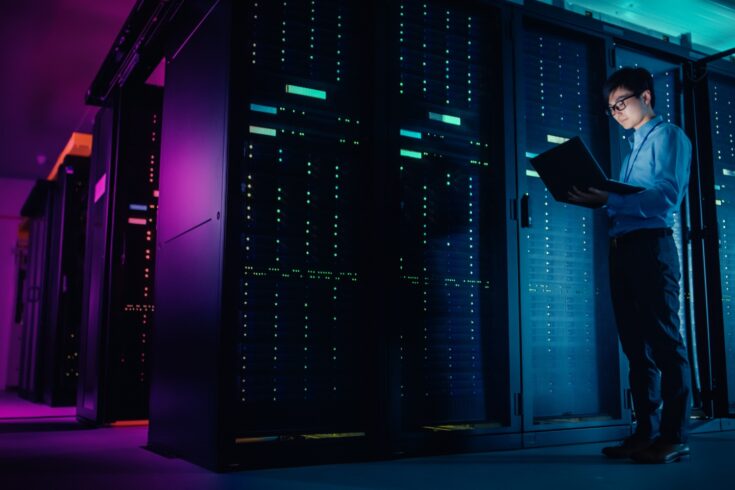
[631,116]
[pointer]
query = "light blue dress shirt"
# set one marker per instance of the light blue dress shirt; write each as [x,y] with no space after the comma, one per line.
[659,161]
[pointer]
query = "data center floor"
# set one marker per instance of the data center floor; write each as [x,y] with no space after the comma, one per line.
[57,453]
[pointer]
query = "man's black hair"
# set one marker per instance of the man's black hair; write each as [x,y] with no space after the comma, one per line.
[637,80]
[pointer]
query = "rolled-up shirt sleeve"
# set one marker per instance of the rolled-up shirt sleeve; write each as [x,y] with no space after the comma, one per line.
[671,155]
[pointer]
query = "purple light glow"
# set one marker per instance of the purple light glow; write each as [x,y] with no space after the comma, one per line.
[14,407]
[100,187]
[50,51]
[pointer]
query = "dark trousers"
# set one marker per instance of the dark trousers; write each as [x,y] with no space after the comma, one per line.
[644,280]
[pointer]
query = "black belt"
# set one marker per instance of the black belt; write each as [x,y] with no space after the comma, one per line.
[643,233]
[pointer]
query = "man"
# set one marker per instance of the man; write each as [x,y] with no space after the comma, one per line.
[644,269]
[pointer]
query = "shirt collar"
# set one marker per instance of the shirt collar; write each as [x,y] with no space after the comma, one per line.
[643,131]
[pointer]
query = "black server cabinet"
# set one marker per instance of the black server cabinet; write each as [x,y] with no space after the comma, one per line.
[262,343]
[715,107]
[722,114]
[37,211]
[573,372]
[63,313]
[451,326]
[119,267]
[52,293]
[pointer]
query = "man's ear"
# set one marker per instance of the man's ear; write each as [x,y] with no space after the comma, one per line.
[646,97]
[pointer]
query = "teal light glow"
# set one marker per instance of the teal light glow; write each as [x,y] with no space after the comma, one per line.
[263,108]
[411,134]
[263,131]
[411,154]
[531,155]
[532,173]
[551,138]
[709,22]
[445,118]
[306,92]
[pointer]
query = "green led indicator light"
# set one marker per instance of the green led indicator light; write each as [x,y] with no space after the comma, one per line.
[411,134]
[263,131]
[266,109]
[556,139]
[411,154]
[306,92]
[445,118]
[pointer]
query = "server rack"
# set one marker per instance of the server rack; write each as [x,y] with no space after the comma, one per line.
[119,267]
[573,370]
[63,312]
[266,183]
[713,92]
[722,104]
[453,373]
[37,210]
[52,304]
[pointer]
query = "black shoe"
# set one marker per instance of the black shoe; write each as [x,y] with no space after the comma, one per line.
[630,445]
[662,452]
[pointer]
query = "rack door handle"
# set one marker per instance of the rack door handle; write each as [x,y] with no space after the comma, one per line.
[525,211]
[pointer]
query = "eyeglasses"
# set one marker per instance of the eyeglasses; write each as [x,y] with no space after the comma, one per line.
[619,106]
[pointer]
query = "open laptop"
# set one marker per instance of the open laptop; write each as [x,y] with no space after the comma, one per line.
[571,164]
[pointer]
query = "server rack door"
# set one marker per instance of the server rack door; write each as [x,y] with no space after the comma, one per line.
[76,174]
[73,270]
[47,340]
[66,256]
[188,393]
[29,341]
[91,369]
[722,124]
[571,360]
[120,267]
[450,339]
[133,233]
[668,87]
[39,203]
[300,157]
